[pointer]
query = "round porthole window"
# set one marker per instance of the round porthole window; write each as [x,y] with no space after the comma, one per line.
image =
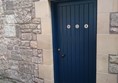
[77,26]
[68,26]
[86,26]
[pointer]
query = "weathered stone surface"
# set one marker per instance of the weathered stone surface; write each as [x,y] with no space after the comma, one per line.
[25,43]
[114,30]
[23,15]
[114,59]
[37,31]
[26,68]
[10,19]
[113,68]
[27,52]
[34,37]
[113,64]
[10,31]
[114,19]
[26,36]
[37,60]
[33,44]
[23,3]
[19,56]
[114,23]
[26,30]
[36,21]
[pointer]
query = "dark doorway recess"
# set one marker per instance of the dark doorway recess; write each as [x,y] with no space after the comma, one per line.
[74,40]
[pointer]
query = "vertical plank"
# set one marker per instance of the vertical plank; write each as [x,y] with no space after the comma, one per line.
[86,42]
[81,44]
[73,42]
[77,44]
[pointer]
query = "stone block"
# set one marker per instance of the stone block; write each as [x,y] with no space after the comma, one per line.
[27,68]
[12,74]
[10,19]
[35,52]
[10,31]
[114,30]
[37,31]
[10,47]
[26,36]
[113,68]
[34,37]
[33,44]
[36,73]
[36,21]
[25,43]
[26,30]
[27,52]
[23,3]
[24,15]
[113,59]
[37,60]
[38,80]
[9,5]
[114,19]
[113,64]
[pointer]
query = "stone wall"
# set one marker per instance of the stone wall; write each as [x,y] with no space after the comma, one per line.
[19,53]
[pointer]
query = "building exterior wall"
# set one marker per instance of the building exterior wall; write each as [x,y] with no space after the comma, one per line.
[39,41]
[45,41]
[106,42]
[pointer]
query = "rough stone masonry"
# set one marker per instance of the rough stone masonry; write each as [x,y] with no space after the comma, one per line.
[19,55]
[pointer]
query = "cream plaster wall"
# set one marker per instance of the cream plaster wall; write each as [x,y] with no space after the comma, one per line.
[106,43]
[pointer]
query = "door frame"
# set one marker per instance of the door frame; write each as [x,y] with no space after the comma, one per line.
[55,40]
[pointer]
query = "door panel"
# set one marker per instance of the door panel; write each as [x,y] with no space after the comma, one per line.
[77,42]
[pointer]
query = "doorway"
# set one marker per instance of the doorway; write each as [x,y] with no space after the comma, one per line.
[74,38]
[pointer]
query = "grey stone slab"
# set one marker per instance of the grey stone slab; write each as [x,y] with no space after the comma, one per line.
[114,30]
[23,3]
[113,64]
[26,36]
[10,31]
[114,19]
[113,59]
[9,5]
[35,52]
[10,19]
[24,15]
[25,43]
[37,60]
[26,30]
[113,68]
[34,37]
[26,68]
[37,31]
[27,52]
[36,20]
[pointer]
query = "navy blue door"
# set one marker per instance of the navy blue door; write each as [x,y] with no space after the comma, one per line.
[77,42]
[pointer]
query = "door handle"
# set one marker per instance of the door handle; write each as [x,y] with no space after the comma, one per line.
[60,53]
